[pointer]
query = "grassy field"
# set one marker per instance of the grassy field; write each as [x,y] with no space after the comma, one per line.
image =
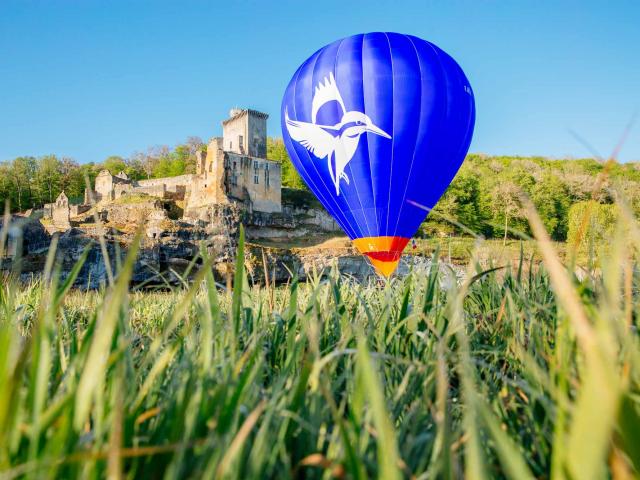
[520,372]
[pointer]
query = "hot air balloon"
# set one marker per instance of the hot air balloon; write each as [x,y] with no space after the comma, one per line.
[377,125]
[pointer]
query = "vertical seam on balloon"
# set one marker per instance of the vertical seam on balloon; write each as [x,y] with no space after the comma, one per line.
[295,84]
[413,157]
[355,184]
[446,99]
[358,230]
[445,76]
[462,78]
[364,101]
[313,74]
[393,132]
[472,119]
[346,225]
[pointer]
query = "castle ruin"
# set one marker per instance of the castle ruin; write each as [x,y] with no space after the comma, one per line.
[234,169]
[233,184]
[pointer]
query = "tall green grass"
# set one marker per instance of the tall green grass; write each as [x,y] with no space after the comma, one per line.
[523,372]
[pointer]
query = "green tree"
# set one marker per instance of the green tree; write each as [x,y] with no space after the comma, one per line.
[277,152]
[461,208]
[188,150]
[115,164]
[72,178]
[552,201]
[89,172]
[591,225]
[22,174]
[507,207]
[48,178]
[6,186]
[183,155]
[169,165]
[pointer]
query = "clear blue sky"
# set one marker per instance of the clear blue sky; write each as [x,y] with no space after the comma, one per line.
[88,79]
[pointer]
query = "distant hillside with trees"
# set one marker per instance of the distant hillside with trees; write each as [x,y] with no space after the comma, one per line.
[483,197]
[29,182]
[485,193]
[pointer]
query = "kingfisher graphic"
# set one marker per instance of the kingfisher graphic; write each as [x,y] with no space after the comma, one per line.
[337,143]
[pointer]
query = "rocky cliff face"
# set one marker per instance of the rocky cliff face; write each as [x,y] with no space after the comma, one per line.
[25,239]
[24,235]
[292,223]
[170,244]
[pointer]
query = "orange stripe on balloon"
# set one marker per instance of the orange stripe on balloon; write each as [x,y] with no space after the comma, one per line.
[383,252]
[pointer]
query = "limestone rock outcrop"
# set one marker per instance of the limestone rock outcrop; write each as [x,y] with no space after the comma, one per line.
[172,241]
[25,236]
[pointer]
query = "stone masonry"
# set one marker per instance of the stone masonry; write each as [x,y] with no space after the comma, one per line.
[60,213]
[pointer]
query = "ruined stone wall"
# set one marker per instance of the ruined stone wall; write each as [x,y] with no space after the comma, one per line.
[109,187]
[255,181]
[75,210]
[208,186]
[201,160]
[172,184]
[158,190]
[47,210]
[61,218]
[257,134]
[89,196]
[103,188]
[135,213]
[205,162]
[237,169]
[121,189]
[265,194]
[176,188]
[60,214]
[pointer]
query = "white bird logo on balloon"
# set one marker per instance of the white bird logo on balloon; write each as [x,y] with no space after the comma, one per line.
[337,143]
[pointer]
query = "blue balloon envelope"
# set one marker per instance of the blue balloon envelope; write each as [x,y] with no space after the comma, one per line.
[377,125]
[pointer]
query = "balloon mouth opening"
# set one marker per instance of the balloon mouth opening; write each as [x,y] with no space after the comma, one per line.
[383,252]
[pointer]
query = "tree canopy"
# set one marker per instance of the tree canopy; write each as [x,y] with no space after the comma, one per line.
[484,197]
[29,182]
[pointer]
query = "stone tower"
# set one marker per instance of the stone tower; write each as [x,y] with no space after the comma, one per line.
[245,133]
[236,168]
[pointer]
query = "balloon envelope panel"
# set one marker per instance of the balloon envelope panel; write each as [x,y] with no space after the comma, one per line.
[377,123]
